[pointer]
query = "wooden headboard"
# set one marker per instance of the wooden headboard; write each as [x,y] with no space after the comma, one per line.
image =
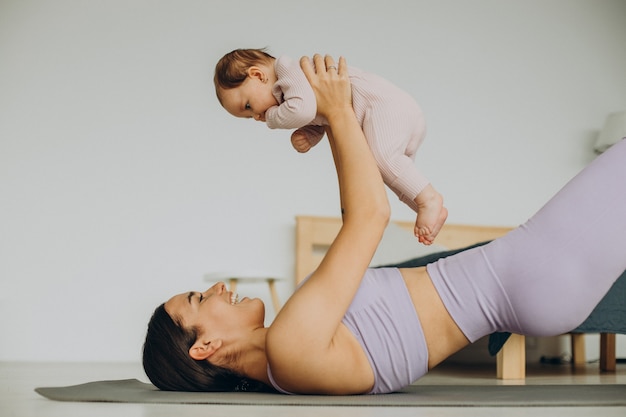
[314,234]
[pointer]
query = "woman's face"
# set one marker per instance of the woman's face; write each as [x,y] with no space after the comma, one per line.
[216,311]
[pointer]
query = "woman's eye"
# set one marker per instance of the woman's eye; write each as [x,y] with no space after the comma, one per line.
[201,298]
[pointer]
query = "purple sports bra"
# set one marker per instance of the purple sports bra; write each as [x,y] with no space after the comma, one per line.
[383,319]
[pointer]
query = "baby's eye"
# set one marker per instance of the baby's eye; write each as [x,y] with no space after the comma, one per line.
[247,107]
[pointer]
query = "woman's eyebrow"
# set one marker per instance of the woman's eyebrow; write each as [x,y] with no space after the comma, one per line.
[191,294]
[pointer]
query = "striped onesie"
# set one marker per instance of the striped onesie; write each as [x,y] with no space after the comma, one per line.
[391,120]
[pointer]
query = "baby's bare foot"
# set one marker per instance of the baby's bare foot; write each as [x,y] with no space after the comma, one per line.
[431,215]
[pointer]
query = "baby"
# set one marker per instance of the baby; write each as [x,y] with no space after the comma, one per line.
[250,83]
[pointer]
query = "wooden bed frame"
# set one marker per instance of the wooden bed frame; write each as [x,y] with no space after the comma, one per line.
[314,234]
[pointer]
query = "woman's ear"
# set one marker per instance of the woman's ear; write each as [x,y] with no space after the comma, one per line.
[203,349]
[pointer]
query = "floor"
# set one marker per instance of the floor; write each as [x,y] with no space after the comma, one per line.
[17,398]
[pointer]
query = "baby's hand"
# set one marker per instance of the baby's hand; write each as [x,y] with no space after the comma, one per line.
[300,141]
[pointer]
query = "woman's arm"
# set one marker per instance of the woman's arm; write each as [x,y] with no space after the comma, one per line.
[303,349]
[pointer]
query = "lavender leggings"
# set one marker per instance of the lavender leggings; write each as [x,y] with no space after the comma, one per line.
[545,277]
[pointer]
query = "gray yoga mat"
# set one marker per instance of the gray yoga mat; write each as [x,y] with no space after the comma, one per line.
[134,391]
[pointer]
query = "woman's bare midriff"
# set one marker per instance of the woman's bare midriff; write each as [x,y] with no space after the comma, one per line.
[443,336]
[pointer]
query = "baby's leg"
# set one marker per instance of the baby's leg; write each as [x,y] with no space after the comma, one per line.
[431,215]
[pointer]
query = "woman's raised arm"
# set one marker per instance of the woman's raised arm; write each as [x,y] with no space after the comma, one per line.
[302,346]
[360,183]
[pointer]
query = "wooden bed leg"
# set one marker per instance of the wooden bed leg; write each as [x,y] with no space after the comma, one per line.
[511,360]
[607,352]
[577,341]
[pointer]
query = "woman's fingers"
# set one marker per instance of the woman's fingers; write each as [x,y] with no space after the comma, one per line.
[343,67]
[330,63]
[332,68]
[307,67]
[322,65]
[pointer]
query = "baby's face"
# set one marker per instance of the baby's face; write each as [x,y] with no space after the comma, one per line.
[250,100]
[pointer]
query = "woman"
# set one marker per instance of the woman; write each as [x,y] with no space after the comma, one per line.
[352,330]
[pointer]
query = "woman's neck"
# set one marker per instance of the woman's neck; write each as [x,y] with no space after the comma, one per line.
[253,359]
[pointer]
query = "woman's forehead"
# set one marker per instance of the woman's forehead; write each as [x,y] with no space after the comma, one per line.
[176,305]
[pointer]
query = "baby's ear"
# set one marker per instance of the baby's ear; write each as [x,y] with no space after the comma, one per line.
[203,349]
[256,72]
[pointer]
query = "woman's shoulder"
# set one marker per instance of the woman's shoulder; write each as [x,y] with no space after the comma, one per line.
[343,368]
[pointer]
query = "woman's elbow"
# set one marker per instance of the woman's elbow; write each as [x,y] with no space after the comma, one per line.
[386,213]
[381,213]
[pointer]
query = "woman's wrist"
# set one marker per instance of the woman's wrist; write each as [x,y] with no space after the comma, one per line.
[339,114]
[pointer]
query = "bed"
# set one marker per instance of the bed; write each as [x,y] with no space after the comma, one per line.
[314,234]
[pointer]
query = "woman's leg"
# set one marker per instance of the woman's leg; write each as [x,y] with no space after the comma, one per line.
[557,266]
[545,277]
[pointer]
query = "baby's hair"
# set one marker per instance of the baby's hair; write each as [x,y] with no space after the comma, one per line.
[232,69]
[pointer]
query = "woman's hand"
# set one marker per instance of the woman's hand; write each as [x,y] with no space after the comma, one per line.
[330,84]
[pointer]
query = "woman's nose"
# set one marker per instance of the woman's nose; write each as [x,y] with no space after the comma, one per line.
[217,288]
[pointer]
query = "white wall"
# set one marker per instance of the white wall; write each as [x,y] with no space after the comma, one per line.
[122,181]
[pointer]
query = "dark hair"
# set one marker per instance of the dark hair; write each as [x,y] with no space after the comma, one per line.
[169,366]
[232,69]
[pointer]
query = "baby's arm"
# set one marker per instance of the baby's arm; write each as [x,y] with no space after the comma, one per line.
[298,106]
